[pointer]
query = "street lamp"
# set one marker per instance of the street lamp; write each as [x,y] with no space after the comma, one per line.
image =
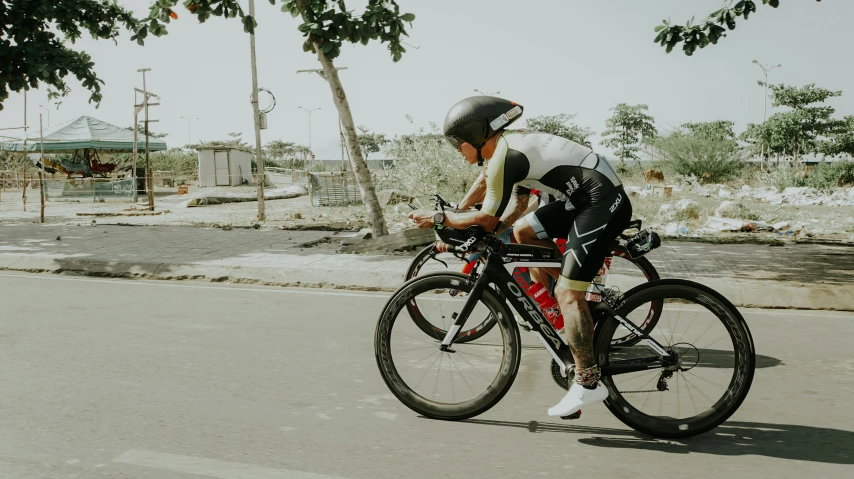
[309,111]
[189,129]
[486,94]
[766,70]
[48,114]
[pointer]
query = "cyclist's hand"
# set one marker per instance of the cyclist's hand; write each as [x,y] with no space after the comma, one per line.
[422,218]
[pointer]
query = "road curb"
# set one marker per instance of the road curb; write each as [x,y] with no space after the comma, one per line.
[742,293]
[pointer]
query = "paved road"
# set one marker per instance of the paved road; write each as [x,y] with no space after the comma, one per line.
[129,379]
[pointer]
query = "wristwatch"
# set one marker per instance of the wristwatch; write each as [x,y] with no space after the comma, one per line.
[438,217]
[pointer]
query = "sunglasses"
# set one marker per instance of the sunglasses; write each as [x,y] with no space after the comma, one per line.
[455,141]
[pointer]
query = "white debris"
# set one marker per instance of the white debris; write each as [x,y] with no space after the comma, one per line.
[717,225]
[731,209]
[672,229]
[724,193]
[688,209]
[700,190]
[666,212]
[781,225]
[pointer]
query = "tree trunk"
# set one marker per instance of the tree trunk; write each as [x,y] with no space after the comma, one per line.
[360,166]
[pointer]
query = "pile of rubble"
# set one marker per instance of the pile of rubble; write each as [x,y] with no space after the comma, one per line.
[733,216]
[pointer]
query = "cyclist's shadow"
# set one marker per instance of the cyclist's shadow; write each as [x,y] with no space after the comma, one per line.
[735,438]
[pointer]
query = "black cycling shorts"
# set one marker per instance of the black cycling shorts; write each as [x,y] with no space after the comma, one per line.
[589,231]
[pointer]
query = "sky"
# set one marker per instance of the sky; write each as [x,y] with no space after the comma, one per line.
[551,56]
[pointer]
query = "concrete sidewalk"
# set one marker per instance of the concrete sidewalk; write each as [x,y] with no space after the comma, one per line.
[792,276]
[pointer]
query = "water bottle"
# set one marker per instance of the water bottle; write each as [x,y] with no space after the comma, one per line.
[548,305]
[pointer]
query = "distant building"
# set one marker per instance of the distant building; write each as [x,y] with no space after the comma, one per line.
[224,166]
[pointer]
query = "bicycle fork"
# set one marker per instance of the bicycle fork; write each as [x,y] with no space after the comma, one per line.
[460,318]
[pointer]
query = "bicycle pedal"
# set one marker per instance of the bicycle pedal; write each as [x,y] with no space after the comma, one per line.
[572,416]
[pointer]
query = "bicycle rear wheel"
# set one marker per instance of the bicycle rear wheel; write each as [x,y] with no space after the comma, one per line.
[451,385]
[713,374]
[627,273]
[430,261]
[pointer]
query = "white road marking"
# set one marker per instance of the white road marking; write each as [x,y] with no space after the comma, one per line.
[210,467]
[173,284]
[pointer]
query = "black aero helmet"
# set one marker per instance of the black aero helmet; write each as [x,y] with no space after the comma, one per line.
[475,119]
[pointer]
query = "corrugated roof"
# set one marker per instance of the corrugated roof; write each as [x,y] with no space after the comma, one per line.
[87,133]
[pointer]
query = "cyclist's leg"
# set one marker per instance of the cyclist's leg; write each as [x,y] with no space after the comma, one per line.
[589,242]
[549,221]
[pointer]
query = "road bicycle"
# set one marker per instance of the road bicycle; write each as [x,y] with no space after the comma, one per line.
[622,271]
[681,378]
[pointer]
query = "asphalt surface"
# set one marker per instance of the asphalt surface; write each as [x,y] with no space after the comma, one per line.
[130,379]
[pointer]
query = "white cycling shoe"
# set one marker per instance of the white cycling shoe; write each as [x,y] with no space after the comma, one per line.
[578,397]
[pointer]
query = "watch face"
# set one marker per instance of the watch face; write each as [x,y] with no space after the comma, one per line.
[438,218]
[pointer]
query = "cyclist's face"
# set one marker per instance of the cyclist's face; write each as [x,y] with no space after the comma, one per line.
[469,152]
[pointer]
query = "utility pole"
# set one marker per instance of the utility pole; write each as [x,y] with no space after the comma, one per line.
[149,180]
[136,109]
[41,162]
[26,154]
[256,113]
[766,70]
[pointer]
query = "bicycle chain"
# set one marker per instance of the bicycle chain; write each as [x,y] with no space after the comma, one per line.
[638,392]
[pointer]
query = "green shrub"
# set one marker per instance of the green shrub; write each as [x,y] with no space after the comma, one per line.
[824,176]
[426,164]
[709,160]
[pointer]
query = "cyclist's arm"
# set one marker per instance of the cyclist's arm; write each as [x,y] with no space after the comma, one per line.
[476,192]
[501,178]
[517,208]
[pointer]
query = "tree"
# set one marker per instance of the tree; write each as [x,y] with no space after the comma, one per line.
[804,128]
[706,150]
[560,125]
[720,131]
[326,25]
[289,153]
[627,127]
[840,142]
[371,142]
[32,53]
[694,36]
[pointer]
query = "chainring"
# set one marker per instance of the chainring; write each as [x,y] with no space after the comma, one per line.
[559,378]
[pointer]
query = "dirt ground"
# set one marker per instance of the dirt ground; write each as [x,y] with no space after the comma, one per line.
[817,222]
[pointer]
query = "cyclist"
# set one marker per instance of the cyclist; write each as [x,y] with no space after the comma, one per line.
[594,210]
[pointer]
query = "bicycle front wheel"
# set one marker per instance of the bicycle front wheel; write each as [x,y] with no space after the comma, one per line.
[712,373]
[430,261]
[456,384]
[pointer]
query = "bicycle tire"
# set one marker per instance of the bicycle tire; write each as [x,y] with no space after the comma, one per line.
[481,329]
[738,388]
[651,274]
[499,386]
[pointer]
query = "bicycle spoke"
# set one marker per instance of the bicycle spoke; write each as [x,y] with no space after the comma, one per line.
[473,367]
[428,369]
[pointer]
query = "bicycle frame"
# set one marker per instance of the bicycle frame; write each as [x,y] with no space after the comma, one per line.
[497,272]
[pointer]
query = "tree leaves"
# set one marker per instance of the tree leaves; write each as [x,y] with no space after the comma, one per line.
[39,55]
[708,32]
[804,127]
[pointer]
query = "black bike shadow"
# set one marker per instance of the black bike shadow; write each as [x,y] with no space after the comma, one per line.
[785,441]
